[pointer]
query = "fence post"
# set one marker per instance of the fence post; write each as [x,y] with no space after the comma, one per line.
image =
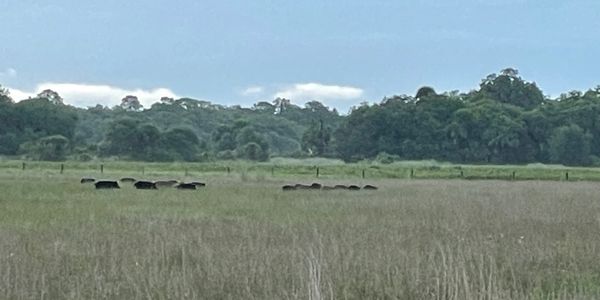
[317,172]
[23,166]
[567,176]
[228,170]
[412,173]
[363,173]
[462,175]
[101,168]
[62,168]
[514,175]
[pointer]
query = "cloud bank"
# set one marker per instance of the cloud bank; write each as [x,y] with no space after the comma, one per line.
[84,95]
[315,91]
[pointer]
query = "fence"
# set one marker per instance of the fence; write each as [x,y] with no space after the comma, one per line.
[329,171]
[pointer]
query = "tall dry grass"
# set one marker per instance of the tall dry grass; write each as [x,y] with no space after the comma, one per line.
[243,238]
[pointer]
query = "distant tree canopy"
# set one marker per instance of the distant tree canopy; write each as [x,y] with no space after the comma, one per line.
[506,120]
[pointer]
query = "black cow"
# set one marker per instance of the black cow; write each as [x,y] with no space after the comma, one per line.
[316,186]
[166,183]
[106,184]
[186,186]
[299,186]
[198,184]
[369,187]
[288,187]
[145,185]
[127,179]
[87,180]
[354,188]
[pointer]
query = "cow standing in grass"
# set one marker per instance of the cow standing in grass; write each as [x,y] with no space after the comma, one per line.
[106,184]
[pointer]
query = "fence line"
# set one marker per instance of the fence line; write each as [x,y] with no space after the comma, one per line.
[376,171]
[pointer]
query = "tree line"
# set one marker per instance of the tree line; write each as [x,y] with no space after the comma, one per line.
[507,120]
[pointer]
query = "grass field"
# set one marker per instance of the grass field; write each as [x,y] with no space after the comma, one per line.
[243,238]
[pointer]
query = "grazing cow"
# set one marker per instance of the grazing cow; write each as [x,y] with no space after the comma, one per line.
[369,187]
[145,185]
[288,187]
[299,186]
[87,180]
[340,187]
[106,184]
[166,183]
[354,188]
[198,183]
[315,186]
[127,179]
[186,186]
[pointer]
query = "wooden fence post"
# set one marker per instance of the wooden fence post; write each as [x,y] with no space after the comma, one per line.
[514,175]
[228,170]
[317,172]
[412,173]
[23,166]
[363,174]
[567,176]
[102,169]
[62,168]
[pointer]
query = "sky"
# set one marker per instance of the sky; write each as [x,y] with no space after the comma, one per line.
[338,52]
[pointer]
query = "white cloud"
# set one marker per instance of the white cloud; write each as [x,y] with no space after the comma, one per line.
[252,90]
[84,95]
[315,91]
[9,73]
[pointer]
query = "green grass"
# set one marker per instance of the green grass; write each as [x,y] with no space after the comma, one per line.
[306,169]
[243,238]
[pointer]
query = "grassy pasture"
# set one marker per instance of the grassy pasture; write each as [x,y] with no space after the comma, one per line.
[243,238]
[307,168]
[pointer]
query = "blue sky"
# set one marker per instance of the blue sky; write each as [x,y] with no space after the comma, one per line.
[338,52]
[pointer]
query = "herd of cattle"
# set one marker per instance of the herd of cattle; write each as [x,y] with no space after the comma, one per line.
[143,185]
[318,186]
[154,185]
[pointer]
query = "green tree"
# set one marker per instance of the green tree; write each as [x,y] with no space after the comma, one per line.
[253,151]
[424,92]
[316,139]
[570,145]
[5,95]
[509,88]
[51,148]
[131,103]
[51,96]
[182,142]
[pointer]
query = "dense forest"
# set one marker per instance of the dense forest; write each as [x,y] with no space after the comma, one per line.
[507,120]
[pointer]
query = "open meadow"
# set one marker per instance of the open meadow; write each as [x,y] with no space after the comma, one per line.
[242,237]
